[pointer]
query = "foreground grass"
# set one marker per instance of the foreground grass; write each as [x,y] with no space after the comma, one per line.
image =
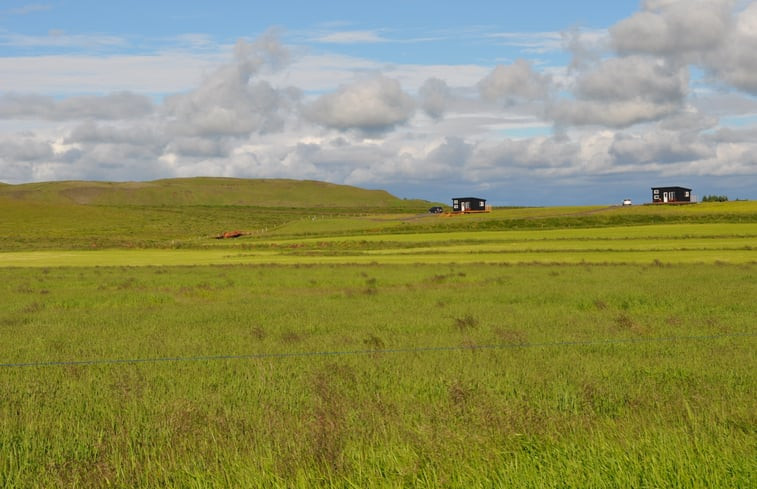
[429,376]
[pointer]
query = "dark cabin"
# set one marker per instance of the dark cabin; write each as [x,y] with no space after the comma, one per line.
[665,195]
[468,204]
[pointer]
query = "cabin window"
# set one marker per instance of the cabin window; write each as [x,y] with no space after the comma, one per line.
[687,194]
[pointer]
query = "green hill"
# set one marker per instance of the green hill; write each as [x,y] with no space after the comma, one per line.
[190,212]
[207,191]
[81,214]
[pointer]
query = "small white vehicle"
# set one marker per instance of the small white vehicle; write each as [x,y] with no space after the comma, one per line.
[626,201]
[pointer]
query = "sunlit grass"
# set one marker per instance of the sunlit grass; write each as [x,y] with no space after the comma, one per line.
[554,347]
[601,376]
[669,243]
[39,225]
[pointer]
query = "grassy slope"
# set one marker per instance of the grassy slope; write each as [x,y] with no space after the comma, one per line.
[47,222]
[78,215]
[204,191]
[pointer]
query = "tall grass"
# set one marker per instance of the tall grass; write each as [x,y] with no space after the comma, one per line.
[592,376]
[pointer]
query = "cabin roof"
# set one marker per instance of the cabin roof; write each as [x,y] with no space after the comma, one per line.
[670,187]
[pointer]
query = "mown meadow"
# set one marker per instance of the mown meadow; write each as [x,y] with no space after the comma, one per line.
[383,350]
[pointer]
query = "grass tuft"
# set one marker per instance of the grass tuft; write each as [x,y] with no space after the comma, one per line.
[465,323]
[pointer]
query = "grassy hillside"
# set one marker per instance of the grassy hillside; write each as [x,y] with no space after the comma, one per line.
[205,191]
[57,223]
[78,214]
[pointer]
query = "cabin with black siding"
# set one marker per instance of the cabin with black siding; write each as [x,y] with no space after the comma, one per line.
[469,204]
[670,195]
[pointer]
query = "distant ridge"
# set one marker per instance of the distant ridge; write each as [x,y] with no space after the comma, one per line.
[203,191]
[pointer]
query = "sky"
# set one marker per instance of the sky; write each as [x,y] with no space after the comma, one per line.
[544,102]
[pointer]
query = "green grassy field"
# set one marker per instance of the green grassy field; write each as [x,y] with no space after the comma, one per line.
[341,347]
[668,243]
[378,376]
[183,214]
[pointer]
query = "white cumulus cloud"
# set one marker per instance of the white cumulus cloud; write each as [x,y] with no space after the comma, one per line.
[372,104]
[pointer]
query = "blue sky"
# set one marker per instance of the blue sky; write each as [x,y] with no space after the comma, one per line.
[523,103]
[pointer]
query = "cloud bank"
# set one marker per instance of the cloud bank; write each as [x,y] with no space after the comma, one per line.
[645,103]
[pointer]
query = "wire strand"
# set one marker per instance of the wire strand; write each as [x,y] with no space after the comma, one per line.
[251,356]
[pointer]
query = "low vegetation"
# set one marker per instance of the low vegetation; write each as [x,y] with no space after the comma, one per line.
[562,347]
[413,376]
[715,198]
[44,220]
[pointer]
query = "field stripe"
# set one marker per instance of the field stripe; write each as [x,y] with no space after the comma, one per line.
[678,243]
[144,258]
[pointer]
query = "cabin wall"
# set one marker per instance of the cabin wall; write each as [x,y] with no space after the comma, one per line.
[463,204]
[664,195]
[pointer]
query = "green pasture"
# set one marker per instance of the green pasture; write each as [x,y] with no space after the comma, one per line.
[526,218]
[412,375]
[376,346]
[668,243]
[38,224]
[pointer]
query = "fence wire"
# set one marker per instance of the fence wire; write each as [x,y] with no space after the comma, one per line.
[430,349]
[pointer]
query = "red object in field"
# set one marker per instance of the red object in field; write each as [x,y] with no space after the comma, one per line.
[230,234]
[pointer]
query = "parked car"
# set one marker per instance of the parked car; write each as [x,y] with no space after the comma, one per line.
[436,210]
[626,201]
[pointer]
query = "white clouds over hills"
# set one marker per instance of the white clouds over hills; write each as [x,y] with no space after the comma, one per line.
[644,101]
